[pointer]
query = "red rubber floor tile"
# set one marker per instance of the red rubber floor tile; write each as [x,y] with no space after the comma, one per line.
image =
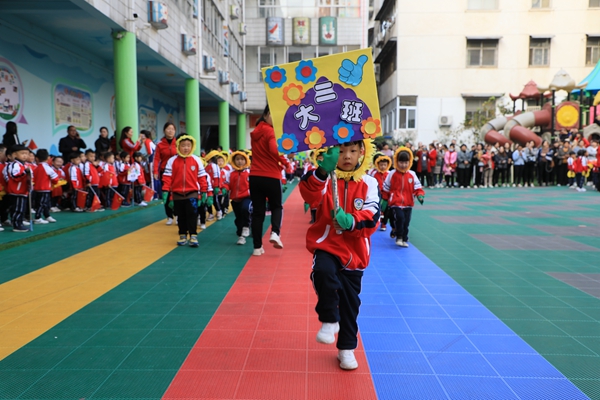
[260,344]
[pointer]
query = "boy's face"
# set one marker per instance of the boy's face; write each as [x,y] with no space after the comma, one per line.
[349,156]
[76,161]
[58,163]
[239,161]
[185,147]
[21,155]
[138,159]
[383,165]
[83,158]
[31,157]
[110,159]
[91,157]
[127,159]
[220,161]
[403,165]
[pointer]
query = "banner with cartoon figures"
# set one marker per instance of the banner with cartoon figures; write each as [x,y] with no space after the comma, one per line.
[323,101]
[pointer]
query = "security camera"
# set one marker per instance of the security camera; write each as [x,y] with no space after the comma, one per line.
[135,15]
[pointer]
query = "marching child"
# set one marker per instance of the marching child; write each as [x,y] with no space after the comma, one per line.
[76,179]
[571,171]
[44,177]
[138,160]
[57,190]
[110,181]
[340,240]
[123,175]
[380,173]
[188,182]
[399,189]
[240,194]
[218,181]
[18,177]
[92,178]
[580,166]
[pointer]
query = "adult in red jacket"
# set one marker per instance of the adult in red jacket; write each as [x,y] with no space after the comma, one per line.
[165,149]
[265,182]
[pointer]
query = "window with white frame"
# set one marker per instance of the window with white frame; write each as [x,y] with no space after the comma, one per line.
[339,8]
[482,53]
[213,27]
[476,104]
[540,3]
[592,50]
[482,4]
[594,3]
[539,52]
[407,112]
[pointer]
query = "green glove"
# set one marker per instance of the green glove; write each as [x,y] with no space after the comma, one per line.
[421,198]
[344,219]
[284,189]
[165,197]
[224,192]
[306,207]
[217,191]
[210,201]
[203,197]
[330,159]
[384,205]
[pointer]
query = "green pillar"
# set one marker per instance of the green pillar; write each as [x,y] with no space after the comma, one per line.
[241,131]
[224,125]
[192,111]
[126,91]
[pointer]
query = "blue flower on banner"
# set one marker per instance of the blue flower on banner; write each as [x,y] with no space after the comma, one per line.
[343,132]
[275,77]
[306,72]
[287,143]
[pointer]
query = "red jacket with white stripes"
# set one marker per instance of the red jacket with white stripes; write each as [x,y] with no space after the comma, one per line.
[217,176]
[400,188]
[129,146]
[186,174]
[17,178]
[361,200]
[90,171]
[75,177]
[239,184]
[163,152]
[43,177]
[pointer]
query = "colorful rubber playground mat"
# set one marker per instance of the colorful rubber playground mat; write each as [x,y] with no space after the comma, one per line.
[497,298]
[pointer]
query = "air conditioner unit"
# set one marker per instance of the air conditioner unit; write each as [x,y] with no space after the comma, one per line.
[235,87]
[235,11]
[188,44]
[223,77]
[243,28]
[243,96]
[158,15]
[445,120]
[208,63]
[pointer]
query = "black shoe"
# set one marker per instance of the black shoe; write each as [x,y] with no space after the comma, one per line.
[20,229]
[392,234]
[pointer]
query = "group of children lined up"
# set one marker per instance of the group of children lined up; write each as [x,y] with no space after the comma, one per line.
[85,182]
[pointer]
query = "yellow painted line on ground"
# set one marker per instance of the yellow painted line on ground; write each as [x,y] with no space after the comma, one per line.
[34,303]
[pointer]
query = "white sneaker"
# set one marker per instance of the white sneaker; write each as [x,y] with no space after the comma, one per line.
[241,240]
[40,221]
[50,219]
[143,204]
[258,252]
[326,334]
[404,244]
[26,223]
[558,184]
[347,359]
[169,221]
[1,228]
[77,209]
[276,241]
[55,209]
[581,189]
[245,232]
[202,226]
[6,223]
[462,187]
[210,217]
[399,242]
[219,215]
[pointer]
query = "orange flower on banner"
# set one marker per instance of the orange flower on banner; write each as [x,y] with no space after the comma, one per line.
[292,94]
[315,138]
[370,128]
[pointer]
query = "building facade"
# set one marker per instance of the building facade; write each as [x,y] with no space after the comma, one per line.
[439,61]
[280,32]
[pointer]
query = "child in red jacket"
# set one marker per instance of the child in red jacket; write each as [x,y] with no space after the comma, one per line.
[92,178]
[123,176]
[380,173]
[139,183]
[399,189]
[44,177]
[187,181]
[240,194]
[18,178]
[218,180]
[340,240]
[76,179]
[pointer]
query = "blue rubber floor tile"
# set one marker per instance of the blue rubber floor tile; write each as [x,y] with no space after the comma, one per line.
[452,288]
[543,389]
[423,325]
[417,299]
[476,388]
[375,324]
[436,342]
[416,311]
[406,288]
[376,299]
[408,387]
[501,344]
[372,288]
[403,278]
[475,311]
[524,366]
[456,299]
[389,342]
[384,310]
[483,326]
[398,363]
[441,279]
[460,364]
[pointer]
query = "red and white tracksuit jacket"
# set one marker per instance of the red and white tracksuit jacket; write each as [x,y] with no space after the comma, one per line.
[75,177]
[380,177]
[239,184]
[186,174]
[90,172]
[162,154]
[44,177]
[108,176]
[580,165]
[16,177]
[399,188]
[218,176]
[122,171]
[361,200]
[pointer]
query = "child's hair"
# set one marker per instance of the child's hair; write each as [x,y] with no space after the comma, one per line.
[123,155]
[356,142]
[108,154]
[581,153]
[2,148]
[42,155]
[571,153]
[89,151]
[54,158]
[137,154]
[75,155]
[147,133]
[403,156]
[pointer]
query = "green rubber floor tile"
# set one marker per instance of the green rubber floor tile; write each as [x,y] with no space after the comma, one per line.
[563,313]
[580,328]
[122,295]
[63,338]
[535,327]
[592,343]
[198,309]
[519,291]
[505,300]
[480,290]
[65,384]
[123,384]
[586,301]
[96,358]
[171,338]
[158,297]
[116,337]
[35,358]
[15,382]
[541,301]
[558,345]
[81,320]
[147,321]
[150,358]
[576,367]
[149,308]
[591,387]
[174,322]
[106,307]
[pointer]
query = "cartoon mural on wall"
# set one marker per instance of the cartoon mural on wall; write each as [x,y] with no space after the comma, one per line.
[148,120]
[11,93]
[72,106]
[323,101]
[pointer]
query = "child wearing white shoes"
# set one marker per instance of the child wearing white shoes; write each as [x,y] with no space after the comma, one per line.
[44,176]
[340,240]
[240,194]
